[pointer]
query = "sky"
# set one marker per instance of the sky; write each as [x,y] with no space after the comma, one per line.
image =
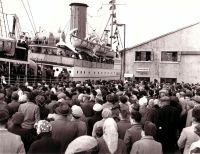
[144,19]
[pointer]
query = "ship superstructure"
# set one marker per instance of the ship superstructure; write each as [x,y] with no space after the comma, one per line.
[83,56]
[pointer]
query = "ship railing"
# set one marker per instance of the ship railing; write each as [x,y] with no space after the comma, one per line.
[35,80]
[31,80]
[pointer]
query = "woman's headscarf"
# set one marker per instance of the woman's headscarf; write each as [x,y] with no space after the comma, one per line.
[43,126]
[110,134]
[81,144]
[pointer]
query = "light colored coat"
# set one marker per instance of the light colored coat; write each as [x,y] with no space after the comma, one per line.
[187,137]
[10,143]
[146,145]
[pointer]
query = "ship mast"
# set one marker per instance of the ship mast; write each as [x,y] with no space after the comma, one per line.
[3,28]
[112,20]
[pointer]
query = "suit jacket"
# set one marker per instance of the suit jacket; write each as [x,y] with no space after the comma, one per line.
[91,121]
[187,137]
[102,147]
[123,125]
[146,145]
[87,108]
[25,134]
[82,128]
[64,131]
[10,143]
[31,114]
[168,118]
[46,144]
[132,135]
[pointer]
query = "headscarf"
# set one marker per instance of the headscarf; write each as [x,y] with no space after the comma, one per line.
[81,144]
[110,134]
[43,126]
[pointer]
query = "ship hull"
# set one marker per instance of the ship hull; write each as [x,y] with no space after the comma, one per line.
[79,70]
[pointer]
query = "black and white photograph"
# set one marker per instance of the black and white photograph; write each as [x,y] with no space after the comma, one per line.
[99,77]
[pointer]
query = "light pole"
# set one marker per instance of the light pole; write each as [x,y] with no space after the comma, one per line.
[123,52]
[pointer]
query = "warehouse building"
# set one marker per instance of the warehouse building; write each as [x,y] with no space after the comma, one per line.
[172,57]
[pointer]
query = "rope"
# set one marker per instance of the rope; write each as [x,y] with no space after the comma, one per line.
[8,24]
[31,15]
[120,40]
[28,16]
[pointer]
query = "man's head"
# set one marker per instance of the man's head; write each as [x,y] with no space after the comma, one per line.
[124,114]
[165,100]
[136,116]
[149,128]
[196,114]
[4,116]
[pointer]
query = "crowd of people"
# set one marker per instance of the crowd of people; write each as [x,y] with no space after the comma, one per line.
[100,117]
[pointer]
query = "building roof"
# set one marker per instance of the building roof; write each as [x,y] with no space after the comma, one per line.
[143,43]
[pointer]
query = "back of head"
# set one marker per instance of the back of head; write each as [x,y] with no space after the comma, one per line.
[63,110]
[18,118]
[4,116]
[136,106]
[31,96]
[136,115]
[125,114]
[110,98]
[2,96]
[40,100]
[149,128]
[196,113]
[197,130]
[106,113]
[123,99]
[15,96]
[116,98]
[165,100]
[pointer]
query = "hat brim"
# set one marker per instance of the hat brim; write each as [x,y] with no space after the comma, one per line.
[59,112]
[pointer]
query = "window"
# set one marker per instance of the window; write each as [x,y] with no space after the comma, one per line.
[168,80]
[169,56]
[142,79]
[143,56]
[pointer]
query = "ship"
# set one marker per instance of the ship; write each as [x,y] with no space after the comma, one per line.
[13,50]
[77,55]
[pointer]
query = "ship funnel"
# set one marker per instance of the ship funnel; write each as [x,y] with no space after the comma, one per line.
[79,18]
